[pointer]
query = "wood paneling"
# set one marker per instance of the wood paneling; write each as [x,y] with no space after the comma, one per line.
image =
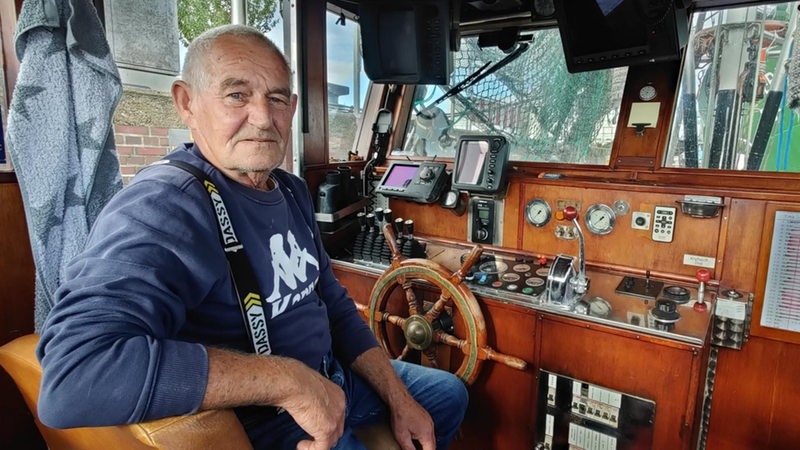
[16,314]
[502,398]
[431,220]
[756,397]
[16,267]
[745,218]
[314,112]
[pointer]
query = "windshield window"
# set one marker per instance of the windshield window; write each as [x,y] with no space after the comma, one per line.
[739,84]
[546,113]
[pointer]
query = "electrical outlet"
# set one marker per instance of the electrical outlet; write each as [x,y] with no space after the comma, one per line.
[640,220]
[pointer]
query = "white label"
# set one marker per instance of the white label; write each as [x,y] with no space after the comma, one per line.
[644,113]
[730,309]
[699,261]
[549,422]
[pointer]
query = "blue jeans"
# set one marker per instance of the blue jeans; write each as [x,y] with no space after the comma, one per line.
[441,393]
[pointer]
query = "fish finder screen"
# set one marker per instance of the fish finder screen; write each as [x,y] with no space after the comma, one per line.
[470,161]
[400,175]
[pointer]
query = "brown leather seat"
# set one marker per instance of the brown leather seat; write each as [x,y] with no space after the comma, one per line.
[217,429]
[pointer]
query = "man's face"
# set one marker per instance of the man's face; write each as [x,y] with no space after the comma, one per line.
[242,119]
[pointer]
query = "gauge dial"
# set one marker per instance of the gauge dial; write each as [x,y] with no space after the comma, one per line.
[600,219]
[537,212]
[647,92]
[599,307]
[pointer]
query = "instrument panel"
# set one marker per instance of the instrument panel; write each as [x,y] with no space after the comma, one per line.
[665,309]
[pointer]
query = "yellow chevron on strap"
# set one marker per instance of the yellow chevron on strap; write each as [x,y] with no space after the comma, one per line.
[210,187]
[252,299]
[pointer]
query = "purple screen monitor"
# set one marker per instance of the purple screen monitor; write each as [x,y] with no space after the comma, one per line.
[400,175]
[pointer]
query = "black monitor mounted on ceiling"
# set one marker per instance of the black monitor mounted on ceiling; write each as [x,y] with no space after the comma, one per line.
[601,34]
[408,41]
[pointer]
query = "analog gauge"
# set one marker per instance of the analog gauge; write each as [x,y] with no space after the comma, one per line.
[538,212]
[510,277]
[522,268]
[599,307]
[621,207]
[493,267]
[534,282]
[600,219]
[647,93]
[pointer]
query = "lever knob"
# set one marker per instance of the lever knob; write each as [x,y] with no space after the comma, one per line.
[703,275]
[570,213]
[398,226]
[409,227]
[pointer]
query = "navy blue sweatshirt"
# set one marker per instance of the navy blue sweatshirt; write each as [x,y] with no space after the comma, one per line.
[126,340]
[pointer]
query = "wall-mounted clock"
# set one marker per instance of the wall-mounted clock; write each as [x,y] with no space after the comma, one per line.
[647,93]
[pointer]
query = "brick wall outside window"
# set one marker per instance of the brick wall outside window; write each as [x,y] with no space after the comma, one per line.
[139,146]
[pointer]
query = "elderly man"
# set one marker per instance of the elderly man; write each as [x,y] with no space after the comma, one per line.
[148,321]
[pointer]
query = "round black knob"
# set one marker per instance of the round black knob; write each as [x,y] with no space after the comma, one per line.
[426,174]
[640,221]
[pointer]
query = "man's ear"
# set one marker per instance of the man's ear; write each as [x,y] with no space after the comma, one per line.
[182,97]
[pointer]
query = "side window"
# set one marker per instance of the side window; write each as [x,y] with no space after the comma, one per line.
[740,89]
[347,86]
[546,113]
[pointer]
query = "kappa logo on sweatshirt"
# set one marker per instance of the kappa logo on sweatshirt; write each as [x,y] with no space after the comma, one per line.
[292,270]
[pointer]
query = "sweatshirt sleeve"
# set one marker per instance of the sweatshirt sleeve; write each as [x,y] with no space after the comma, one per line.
[350,334]
[108,349]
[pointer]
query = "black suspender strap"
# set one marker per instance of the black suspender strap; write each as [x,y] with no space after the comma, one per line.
[244,279]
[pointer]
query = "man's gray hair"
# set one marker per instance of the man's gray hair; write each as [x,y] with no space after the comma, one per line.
[194,73]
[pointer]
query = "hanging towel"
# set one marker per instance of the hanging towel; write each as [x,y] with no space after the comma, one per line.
[60,138]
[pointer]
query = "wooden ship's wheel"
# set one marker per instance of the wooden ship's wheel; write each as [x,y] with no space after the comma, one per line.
[424,328]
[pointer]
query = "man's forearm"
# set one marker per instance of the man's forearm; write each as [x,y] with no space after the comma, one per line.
[373,365]
[313,401]
[238,379]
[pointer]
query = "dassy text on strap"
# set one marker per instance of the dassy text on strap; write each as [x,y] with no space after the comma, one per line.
[228,236]
[242,274]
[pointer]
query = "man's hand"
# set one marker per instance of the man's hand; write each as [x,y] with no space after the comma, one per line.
[411,421]
[319,409]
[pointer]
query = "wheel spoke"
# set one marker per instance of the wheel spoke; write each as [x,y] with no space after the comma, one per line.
[448,339]
[404,353]
[414,305]
[437,307]
[484,353]
[430,352]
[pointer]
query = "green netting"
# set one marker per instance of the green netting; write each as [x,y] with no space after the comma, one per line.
[545,112]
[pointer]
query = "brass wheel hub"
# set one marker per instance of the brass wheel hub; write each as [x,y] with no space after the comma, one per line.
[418,332]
